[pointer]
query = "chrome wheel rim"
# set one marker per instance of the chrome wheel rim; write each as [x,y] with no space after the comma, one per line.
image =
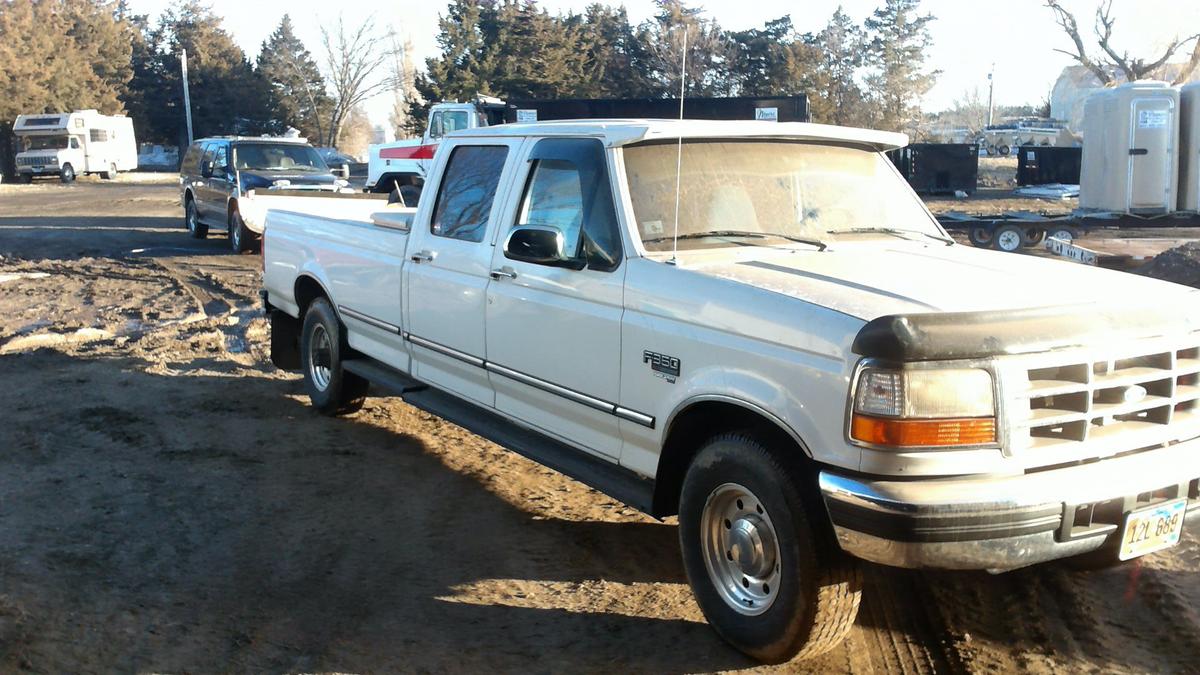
[320,358]
[191,218]
[1008,241]
[741,549]
[1063,235]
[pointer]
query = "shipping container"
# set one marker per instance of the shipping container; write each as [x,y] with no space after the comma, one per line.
[1042,165]
[1130,150]
[939,168]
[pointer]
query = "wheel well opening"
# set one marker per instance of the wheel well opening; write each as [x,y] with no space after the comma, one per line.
[307,290]
[695,425]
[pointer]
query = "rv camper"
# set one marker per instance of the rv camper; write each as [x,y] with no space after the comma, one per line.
[70,144]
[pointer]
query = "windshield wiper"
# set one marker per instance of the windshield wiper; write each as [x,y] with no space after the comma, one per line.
[740,233]
[897,231]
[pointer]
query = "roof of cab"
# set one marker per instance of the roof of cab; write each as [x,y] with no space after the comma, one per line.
[623,132]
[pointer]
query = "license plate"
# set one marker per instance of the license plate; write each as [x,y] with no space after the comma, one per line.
[1152,529]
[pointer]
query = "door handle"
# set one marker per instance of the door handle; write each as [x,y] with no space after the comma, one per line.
[1139,151]
[505,272]
[423,257]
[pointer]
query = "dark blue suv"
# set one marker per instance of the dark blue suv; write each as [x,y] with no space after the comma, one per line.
[218,171]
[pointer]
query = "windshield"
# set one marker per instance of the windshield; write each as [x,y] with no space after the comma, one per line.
[278,157]
[756,189]
[44,142]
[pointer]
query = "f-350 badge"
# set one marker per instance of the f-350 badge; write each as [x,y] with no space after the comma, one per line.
[664,366]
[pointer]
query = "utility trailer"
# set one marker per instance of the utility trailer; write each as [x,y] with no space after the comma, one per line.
[1015,230]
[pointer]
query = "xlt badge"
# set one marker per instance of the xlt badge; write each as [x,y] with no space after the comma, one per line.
[664,366]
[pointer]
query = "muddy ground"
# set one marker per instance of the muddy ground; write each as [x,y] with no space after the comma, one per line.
[169,503]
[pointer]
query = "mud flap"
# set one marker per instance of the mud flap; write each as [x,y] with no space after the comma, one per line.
[285,341]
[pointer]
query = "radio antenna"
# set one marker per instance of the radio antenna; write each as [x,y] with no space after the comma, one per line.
[679,149]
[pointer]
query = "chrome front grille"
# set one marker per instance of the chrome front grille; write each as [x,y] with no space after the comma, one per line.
[35,161]
[1104,404]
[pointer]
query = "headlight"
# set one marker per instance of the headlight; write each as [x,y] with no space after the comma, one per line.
[924,407]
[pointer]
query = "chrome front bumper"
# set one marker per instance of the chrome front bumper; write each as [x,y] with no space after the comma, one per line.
[1004,522]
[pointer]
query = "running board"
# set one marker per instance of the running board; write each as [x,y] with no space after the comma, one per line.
[386,377]
[604,476]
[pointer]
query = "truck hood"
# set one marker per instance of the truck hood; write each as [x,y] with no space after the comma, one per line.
[873,278]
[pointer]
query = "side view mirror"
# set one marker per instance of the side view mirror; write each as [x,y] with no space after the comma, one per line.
[540,245]
[342,171]
[206,168]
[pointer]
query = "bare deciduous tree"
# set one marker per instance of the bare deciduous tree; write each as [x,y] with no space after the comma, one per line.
[1103,67]
[357,63]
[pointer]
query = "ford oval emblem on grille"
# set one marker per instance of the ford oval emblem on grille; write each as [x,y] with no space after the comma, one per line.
[1133,393]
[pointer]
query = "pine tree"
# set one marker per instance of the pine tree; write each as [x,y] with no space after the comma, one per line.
[710,54]
[763,59]
[297,95]
[835,95]
[899,37]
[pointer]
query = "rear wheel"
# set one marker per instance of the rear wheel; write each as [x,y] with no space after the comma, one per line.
[332,390]
[111,173]
[1003,149]
[1064,233]
[1034,236]
[67,173]
[191,218]
[768,577]
[980,236]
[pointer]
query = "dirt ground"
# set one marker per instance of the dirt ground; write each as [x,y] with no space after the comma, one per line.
[169,503]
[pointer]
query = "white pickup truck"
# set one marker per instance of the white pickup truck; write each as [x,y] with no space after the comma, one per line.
[808,371]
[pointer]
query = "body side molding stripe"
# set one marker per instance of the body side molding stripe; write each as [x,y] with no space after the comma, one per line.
[369,320]
[535,382]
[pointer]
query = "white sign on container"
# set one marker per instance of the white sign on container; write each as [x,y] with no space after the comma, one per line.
[526,115]
[1152,119]
[767,114]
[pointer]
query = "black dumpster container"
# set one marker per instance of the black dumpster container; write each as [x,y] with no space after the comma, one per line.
[939,168]
[776,108]
[1042,165]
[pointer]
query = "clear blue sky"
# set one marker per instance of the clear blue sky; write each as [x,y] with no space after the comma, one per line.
[969,35]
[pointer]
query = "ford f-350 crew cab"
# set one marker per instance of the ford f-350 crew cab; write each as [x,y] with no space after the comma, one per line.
[805,371]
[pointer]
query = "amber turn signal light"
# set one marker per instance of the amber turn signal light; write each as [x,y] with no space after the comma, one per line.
[923,433]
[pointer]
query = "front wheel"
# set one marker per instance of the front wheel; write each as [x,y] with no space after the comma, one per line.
[769,578]
[67,173]
[323,347]
[241,239]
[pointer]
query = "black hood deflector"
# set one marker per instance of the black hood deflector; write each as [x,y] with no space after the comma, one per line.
[970,335]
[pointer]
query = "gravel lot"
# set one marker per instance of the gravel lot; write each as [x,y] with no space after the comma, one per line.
[169,503]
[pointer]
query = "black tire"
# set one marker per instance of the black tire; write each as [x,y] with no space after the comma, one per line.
[191,218]
[241,239]
[1003,149]
[980,236]
[1008,238]
[67,173]
[25,178]
[1034,236]
[332,391]
[111,173]
[818,587]
[411,194]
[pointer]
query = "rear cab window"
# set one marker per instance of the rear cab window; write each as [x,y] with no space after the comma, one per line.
[467,191]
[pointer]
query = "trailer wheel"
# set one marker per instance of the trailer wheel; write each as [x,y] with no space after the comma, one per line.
[1064,233]
[1009,238]
[980,236]
[1034,236]
[67,174]
[1003,149]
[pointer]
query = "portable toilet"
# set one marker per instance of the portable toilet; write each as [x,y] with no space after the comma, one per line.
[1189,147]
[1130,153]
